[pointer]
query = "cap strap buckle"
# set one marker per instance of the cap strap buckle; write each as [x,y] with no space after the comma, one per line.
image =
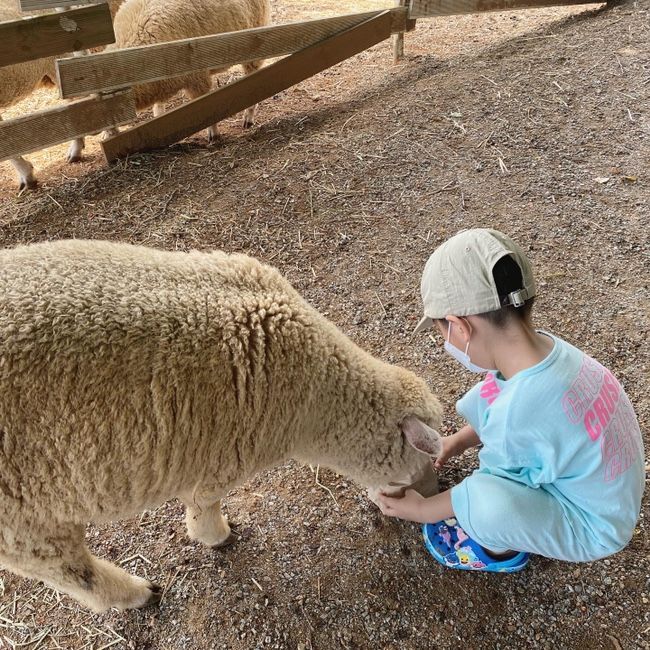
[516,298]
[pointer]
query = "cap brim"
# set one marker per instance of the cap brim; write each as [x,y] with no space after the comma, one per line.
[426,323]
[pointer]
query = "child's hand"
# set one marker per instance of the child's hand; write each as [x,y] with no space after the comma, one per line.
[448,448]
[409,506]
[456,444]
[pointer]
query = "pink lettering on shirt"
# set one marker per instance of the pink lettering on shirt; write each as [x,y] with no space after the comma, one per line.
[621,442]
[583,389]
[490,389]
[596,399]
[599,414]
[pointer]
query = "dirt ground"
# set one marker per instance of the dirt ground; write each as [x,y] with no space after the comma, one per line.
[536,123]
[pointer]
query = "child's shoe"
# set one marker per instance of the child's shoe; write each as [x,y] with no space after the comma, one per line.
[450,545]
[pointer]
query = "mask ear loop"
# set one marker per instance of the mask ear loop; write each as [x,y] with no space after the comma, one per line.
[449,339]
[468,341]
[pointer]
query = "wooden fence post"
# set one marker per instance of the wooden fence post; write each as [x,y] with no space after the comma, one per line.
[398,39]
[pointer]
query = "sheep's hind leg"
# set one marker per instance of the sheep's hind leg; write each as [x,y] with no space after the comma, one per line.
[249,113]
[205,521]
[110,132]
[79,144]
[200,85]
[60,559]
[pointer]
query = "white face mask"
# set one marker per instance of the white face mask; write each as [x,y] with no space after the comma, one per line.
[460,356]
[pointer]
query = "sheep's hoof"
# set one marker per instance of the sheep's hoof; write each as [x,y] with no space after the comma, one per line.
[229,541]
[248,124]
[156,595]
[28,184]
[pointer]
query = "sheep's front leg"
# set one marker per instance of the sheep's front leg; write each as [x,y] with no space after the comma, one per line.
[58,556]
[25,171]
[205,521]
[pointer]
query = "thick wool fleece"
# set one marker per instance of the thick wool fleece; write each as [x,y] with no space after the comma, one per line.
[129,376]
[145,22]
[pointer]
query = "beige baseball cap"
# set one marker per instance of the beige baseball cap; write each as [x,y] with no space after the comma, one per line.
[458,279]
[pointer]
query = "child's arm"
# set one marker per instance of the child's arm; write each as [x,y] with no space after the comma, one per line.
[456,444]
[415,507]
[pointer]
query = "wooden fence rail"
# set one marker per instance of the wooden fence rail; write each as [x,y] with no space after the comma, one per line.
[53,126]
[32,5]
[126,67]
[36,37]
[430,8]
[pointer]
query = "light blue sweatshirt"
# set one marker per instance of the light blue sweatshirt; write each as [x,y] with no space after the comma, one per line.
[564,426]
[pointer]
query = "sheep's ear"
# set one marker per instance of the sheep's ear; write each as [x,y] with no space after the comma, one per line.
[421,437]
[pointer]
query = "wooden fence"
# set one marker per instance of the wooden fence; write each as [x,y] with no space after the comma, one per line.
[307,47]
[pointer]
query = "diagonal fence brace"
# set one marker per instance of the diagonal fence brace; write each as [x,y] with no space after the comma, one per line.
[231,99]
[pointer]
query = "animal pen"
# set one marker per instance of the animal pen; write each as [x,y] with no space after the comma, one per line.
[104,80]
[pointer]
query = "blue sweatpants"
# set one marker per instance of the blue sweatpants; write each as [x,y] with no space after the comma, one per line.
[505,515]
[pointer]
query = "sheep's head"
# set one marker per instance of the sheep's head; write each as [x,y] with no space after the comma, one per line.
[378,428]
[405,440]
[413,467]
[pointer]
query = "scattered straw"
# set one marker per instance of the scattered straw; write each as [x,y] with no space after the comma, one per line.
[325,487]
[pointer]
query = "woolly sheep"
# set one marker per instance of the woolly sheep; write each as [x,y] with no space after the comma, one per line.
[144,22]
[130,376]
[20,80]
